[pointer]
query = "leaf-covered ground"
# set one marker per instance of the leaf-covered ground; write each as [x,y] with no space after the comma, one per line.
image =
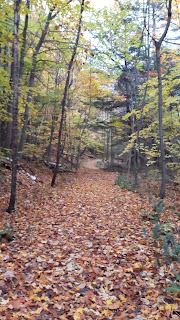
[81,252]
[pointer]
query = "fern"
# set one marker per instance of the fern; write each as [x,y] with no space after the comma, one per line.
[123,183]
[168,240]
[159,206]
[175,285]
[156,231]
[176,252]
[7,233]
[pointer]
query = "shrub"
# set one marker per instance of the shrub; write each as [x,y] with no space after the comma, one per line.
[122,182]
[7,233]
[175,284]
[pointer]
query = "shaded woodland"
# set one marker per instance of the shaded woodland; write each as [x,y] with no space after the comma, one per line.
[89,160]
[106,82]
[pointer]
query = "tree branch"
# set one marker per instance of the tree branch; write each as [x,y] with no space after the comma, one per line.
[158,43]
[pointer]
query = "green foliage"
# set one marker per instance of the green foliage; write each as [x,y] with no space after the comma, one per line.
[162,235]
[31,152]
[175,284]
[153,174]
[2,156]
[158,206]
[154,217]
[7,233]
[93,144]
[123,183]
[170,247]
[145,215]
[148,144]
[157,232]
[118,33]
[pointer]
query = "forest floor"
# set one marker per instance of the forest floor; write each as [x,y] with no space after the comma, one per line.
[81,251]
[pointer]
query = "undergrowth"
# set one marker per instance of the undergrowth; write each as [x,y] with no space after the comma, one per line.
[166,246]
[8,233]
[124,183]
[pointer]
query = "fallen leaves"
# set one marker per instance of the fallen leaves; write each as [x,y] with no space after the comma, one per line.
[80,253]
[9,274]
[114,305]
[15,304]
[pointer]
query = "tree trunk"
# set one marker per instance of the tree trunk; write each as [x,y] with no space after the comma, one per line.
[129,163]
[87,115]
[63,103]
[111,132]
[21,68]
[15,110]
[22,55]
[9,107]
[104,144]
[160,102]
[31,81]
[81,136]
[54,118]
[136,149]
[26,113]
[107,145]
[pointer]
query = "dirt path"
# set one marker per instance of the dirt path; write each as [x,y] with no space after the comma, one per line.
[80,253]
[89,164]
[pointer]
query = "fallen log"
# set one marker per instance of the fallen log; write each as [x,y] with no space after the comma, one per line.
[52,165]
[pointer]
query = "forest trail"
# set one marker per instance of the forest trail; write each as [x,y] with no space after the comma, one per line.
[80,253]
[89,164]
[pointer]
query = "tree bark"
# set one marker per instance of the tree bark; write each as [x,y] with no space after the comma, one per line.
[160,111]
[15,110]
[9,107]
[160,102]
[63,103]
[54,118]
[9,123]
[136,149]
[22,55]
[81,136]
[31,81]
[111,135]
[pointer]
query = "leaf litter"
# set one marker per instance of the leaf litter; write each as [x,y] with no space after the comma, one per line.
[80,253]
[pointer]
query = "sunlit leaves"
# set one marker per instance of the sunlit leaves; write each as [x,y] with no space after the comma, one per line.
[118,37]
